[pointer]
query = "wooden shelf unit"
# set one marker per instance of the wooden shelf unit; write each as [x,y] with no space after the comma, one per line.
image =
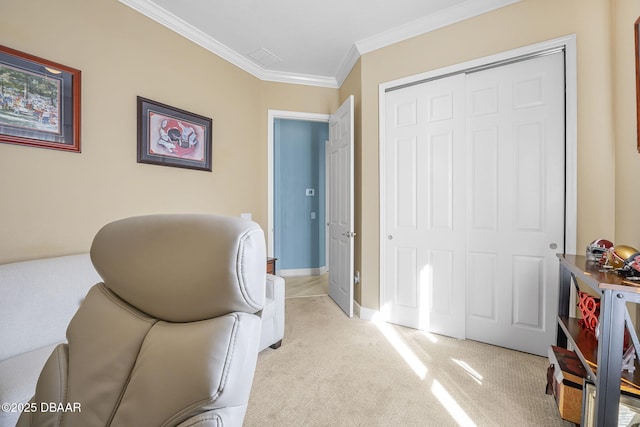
[601,357]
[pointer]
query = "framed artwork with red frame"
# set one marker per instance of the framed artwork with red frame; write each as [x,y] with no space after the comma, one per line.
[39,102]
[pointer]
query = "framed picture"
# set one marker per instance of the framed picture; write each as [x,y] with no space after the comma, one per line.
[628,412]
[39,102]
[169,136]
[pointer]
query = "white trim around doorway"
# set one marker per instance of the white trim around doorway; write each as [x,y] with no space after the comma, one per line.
[271,116]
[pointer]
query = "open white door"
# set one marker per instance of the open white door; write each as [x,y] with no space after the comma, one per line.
[340,201]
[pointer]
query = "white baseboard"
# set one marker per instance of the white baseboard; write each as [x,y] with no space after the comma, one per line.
[302,272]
[363,313]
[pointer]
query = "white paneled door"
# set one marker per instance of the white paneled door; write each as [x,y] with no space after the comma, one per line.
[340,206]
[474,203]
[424,210]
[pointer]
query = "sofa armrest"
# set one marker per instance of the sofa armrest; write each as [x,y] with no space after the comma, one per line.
[275,288]
[273,313]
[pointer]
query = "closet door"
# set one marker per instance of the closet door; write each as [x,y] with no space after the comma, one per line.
[424,240]
[473,204]
[515,199]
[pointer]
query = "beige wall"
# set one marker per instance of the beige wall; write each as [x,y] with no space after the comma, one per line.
[521,24]
[53,202]
[627,170]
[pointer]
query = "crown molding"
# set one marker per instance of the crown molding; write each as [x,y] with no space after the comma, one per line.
[167,19]
[297,78]
[347,65]
[460,12]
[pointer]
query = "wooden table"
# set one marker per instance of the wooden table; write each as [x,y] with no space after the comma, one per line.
[271,265]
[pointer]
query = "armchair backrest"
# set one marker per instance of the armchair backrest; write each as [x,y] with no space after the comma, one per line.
[170,336]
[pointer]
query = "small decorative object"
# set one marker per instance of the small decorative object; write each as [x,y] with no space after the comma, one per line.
[597,249]
[617,255]
[590,309]
[631,267]
[172,137]
[628,359]
[39,102]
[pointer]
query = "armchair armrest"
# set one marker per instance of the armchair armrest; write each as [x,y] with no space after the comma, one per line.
[273,313]
[275,288]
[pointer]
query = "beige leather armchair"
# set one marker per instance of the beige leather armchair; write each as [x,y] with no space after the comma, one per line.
[171,336]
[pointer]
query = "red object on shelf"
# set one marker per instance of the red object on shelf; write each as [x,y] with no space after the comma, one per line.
[590,309]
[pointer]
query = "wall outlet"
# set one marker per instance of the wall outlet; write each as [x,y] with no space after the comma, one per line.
[310,192]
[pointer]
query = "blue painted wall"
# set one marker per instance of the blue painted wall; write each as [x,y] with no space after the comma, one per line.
[299,164]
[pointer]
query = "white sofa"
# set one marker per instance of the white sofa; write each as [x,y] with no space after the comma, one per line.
[38,298]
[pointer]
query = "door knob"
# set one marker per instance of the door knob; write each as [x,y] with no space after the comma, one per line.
[553,246]
[390,237]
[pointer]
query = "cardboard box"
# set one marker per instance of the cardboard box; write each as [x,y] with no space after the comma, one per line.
[564,381]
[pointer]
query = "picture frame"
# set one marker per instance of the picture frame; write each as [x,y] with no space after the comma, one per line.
[628,413]
[169,136]
[636,32]
[39,102]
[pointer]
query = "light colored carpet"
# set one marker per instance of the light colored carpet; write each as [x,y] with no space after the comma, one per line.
[335,371]
[306,286]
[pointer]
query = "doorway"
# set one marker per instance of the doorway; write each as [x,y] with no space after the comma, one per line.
[471,220]
[297,193]
[339,203]
[299,196]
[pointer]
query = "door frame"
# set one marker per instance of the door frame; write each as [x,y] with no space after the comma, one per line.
[272,115]
[566,43]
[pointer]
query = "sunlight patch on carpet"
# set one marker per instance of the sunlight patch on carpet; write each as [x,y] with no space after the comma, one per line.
[451,405]
[470,371]
[430,337]
[400,346]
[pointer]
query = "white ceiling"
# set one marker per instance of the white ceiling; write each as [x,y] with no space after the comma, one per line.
[295,41]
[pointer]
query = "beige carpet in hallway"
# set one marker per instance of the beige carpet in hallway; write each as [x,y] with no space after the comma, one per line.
[335,371]
[306,286]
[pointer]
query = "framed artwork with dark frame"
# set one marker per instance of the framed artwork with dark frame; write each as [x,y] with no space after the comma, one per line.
[170,136]
[39,102]
[636,31]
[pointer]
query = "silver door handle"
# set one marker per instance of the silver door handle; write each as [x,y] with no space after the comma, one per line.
[349,234]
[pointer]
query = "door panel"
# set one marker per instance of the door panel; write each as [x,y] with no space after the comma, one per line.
[424,212]
[481,285]
[406,173]
[527,191]
[527,292]
[529,175]
[341,231]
